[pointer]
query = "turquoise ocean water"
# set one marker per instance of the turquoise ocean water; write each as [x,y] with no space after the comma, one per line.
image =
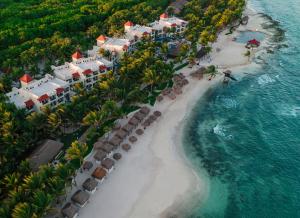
[245,137]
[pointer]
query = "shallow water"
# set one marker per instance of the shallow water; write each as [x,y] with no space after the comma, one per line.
[245,36]
[246,136]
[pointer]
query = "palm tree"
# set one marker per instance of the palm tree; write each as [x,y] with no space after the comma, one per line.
[150,78]
[11,181]
[77,151]
[33,182]
[22,210]
[41,203]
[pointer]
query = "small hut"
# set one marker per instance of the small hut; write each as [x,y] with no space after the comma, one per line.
[177,90]
[132,139]
[146,123]
[87,165]
[121,134]
[90,185]
[117,156]
[99,174]
[108,164]
[166,91]
[69,210]
[99,156]
[134,121]
[138,115]
[145,110]
[108,148]
[253,43]
[80,198]
[99,144]
[126,147]
[115,141]
[128,128]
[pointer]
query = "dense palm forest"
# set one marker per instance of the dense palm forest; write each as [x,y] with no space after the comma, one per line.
[48,31]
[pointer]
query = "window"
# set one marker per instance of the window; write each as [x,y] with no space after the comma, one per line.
[67,89]
[45,101]
[60,100]
[52,97]
[53,103]
[88,80]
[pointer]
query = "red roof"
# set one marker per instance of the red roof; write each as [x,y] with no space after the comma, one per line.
[145,33]
[29,103]
[60,90]
[43,98]
[164,15]
[128,23]
[101,38]
[254,42]
[102,67]
[125,47]
[87,72]
[77,55]
[76,75]
[26,78]
[174,25]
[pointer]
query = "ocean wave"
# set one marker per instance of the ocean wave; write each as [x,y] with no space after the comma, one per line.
[221,131]
[265,79]
[229,103]
[289,110]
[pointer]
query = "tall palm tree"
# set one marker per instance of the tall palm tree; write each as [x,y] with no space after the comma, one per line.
[11,181]
[150,78]
[77,151]
[22,210]
[41,202]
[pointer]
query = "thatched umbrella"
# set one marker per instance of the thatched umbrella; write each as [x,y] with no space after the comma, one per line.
[146,123]
[126,147]
[139,132]
[172,96]
[166,91]
[117,156]
[157,113]
[117,126]
[159,98]
[145,110]
[87,165]
[132,139]
[177,91]
[185,82]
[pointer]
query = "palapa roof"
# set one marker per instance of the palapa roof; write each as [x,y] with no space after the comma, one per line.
[121,134]
[171,95]
[145,110]
[100,155]
[87,165]
[26,78]
[99,144]
[166,91]
[44,153]
[115,141]
[159,98]
[126,147]
[152,118]
[146,123]
[117,156]
[117,126]
[90,184]
[80,197]
[139,131]
[132,139]
[107,147]
[128,127]
[69,210]
[108,163]
[140,116]
[177,90]
[157,113]
[134,121]
[99,173]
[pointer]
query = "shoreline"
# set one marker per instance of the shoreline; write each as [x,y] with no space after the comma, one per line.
[164,177]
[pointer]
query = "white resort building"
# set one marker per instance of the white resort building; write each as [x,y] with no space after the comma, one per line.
[166,23]
[34,94]
[86,71]
[135,32]
[116,46]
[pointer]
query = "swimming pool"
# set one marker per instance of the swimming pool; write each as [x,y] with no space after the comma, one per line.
[245,36]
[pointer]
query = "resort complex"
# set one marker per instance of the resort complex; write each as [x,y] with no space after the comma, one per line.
[54,90]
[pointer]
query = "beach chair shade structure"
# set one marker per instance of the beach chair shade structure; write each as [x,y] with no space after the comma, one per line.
[69,210]
[100,155]
[134,121]
[90,184]
[108,163]
[80,197]
[157,113]
[87,165]
[145,110]
[99,173]
[115,141]
[140,116]
[128,128]
[122,134]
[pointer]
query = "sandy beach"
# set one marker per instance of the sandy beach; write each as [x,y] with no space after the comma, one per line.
[155,175]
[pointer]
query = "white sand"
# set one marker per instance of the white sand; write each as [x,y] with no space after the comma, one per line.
[154,174]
